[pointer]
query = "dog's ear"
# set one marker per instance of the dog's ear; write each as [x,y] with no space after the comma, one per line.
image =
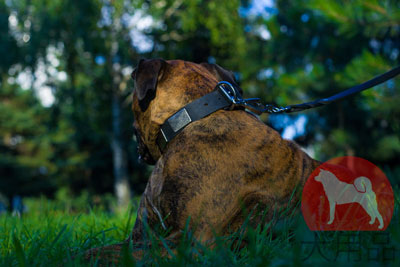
[146,75]
[222,74]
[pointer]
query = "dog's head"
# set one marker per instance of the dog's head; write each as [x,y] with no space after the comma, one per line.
[161,89]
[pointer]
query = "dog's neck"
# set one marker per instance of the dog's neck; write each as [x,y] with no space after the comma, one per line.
[195,110]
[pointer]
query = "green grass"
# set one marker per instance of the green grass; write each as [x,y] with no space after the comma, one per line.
[47,233]
[50,233]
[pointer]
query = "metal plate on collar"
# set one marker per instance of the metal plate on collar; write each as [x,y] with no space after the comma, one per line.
[179,120]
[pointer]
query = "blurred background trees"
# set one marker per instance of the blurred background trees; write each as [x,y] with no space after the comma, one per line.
[65,87]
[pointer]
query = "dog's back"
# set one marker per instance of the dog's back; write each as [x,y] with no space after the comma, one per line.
[228,159]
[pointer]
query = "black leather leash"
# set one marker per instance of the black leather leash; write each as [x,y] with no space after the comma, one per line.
[259,108]
[227,96]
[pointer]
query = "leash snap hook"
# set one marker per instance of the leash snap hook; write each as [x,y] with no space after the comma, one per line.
[231,94]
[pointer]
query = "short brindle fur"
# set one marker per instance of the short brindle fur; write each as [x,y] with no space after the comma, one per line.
[215,166]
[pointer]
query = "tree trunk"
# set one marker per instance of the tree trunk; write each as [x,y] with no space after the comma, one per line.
[121,182]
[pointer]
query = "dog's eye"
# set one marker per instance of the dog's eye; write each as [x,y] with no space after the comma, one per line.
[133,75]
[135,136]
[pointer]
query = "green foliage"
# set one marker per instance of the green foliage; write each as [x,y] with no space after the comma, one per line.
[25,157]
[372,17]
[68,143]
[197,30]
[318,48]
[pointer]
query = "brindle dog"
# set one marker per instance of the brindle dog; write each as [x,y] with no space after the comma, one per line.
[216,165]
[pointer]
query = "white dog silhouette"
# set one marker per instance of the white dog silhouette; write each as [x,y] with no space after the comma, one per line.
[339,192]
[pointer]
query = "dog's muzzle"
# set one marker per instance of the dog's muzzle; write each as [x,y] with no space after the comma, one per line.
[143,151]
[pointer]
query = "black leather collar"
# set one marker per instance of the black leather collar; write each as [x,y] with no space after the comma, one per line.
[227,96]
[221,98]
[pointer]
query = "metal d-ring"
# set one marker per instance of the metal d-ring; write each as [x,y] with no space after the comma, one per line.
[230,92]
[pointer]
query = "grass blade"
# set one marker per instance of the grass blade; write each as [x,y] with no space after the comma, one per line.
[58,235]
[19,252]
